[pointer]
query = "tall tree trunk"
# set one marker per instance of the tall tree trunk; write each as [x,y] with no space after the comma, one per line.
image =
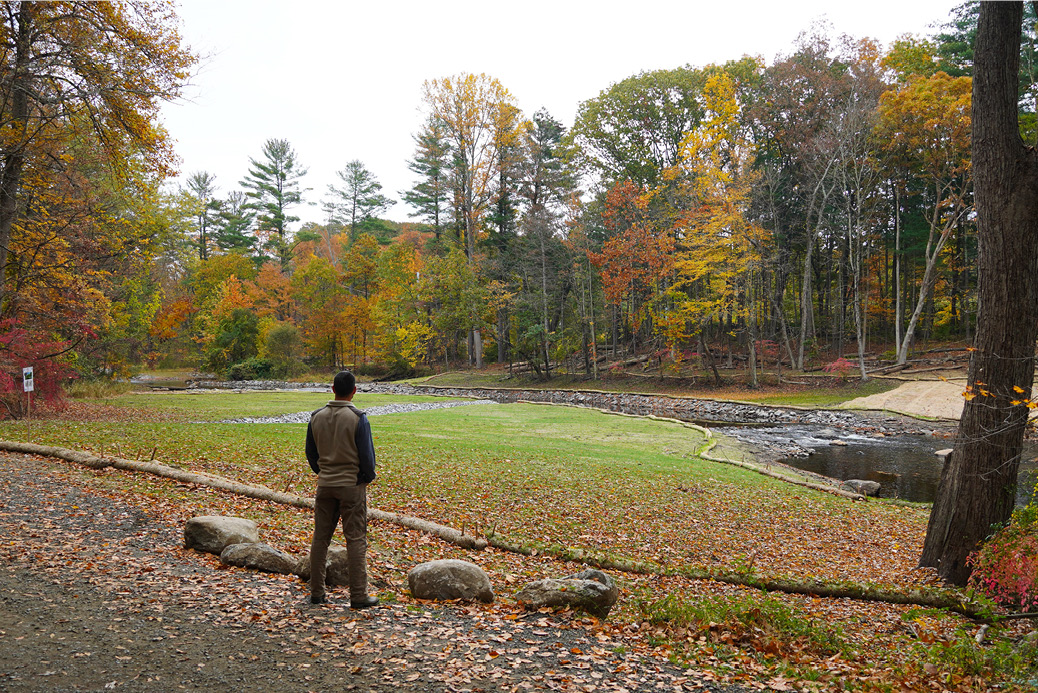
[819,198]
[978,484]
[14,161]
[751,331]
[898,289]
[710,359]
[502,334]
[940,230]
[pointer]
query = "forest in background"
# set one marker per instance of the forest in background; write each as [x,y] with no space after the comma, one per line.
[792,214]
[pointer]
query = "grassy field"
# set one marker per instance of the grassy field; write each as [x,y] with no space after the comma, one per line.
[622,487]
[564,476]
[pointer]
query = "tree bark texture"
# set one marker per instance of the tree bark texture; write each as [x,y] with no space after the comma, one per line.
[977,488]
[14,155]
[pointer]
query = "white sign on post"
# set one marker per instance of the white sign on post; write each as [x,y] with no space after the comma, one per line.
[27,384]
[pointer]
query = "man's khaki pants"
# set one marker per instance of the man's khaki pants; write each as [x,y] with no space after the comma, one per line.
[351,504]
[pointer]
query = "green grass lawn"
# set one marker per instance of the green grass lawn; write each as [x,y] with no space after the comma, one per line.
[577,478]
[612,486]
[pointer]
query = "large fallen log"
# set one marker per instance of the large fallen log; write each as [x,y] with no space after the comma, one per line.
[933,598]
[448,534]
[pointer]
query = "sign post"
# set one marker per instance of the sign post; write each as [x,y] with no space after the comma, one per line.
[28,386]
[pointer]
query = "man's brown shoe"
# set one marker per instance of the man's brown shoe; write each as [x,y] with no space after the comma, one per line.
[364,603]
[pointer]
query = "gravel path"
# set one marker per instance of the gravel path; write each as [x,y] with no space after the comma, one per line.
[98,594]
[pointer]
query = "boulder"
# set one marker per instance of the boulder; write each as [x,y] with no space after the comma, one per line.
[258,557]
[214,533]
[336,571]
[589,590]
[450,579]
[865,488]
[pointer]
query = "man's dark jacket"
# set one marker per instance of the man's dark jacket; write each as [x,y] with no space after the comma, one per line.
[339,446]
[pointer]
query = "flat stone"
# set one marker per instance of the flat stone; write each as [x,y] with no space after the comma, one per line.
[214,533]
[258,557]
[589,590]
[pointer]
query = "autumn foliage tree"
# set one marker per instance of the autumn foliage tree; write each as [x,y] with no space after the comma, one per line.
[80,158]
[638,255]
[924,130]
[719,249]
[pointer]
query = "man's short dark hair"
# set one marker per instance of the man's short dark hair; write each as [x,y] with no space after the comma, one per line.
[344,383]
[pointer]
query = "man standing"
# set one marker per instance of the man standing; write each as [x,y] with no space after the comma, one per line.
[341,453]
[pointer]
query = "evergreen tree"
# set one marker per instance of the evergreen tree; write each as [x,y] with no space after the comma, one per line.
[358,200]
[233,221]
[955,48]
[201,190]
[272,186]
[430,196]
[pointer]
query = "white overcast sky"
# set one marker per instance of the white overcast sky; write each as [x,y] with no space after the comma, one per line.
[342,80]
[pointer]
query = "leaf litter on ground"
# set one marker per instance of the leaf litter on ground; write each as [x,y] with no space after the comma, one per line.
[669,509]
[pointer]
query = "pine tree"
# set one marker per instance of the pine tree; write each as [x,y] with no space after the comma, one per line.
[359,199]
[233,222]
[201,190]
[430,196]
[272,186]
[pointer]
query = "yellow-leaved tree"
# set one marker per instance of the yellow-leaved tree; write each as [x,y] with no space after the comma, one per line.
[719,250]
[403,331]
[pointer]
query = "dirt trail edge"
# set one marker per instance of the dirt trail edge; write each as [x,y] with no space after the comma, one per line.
[931,399]
[97,594]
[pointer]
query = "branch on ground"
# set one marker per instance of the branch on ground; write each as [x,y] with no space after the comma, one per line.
[449,534]
[932,598]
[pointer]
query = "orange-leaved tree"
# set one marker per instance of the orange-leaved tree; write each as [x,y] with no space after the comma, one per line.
[924,132]
[637,258]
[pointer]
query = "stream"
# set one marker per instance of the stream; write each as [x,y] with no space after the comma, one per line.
[905,465]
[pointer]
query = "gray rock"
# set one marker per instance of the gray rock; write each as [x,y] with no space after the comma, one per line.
[336,571]
[589,590]
[258,557]
[865,488]
[214,533]
[450,579]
